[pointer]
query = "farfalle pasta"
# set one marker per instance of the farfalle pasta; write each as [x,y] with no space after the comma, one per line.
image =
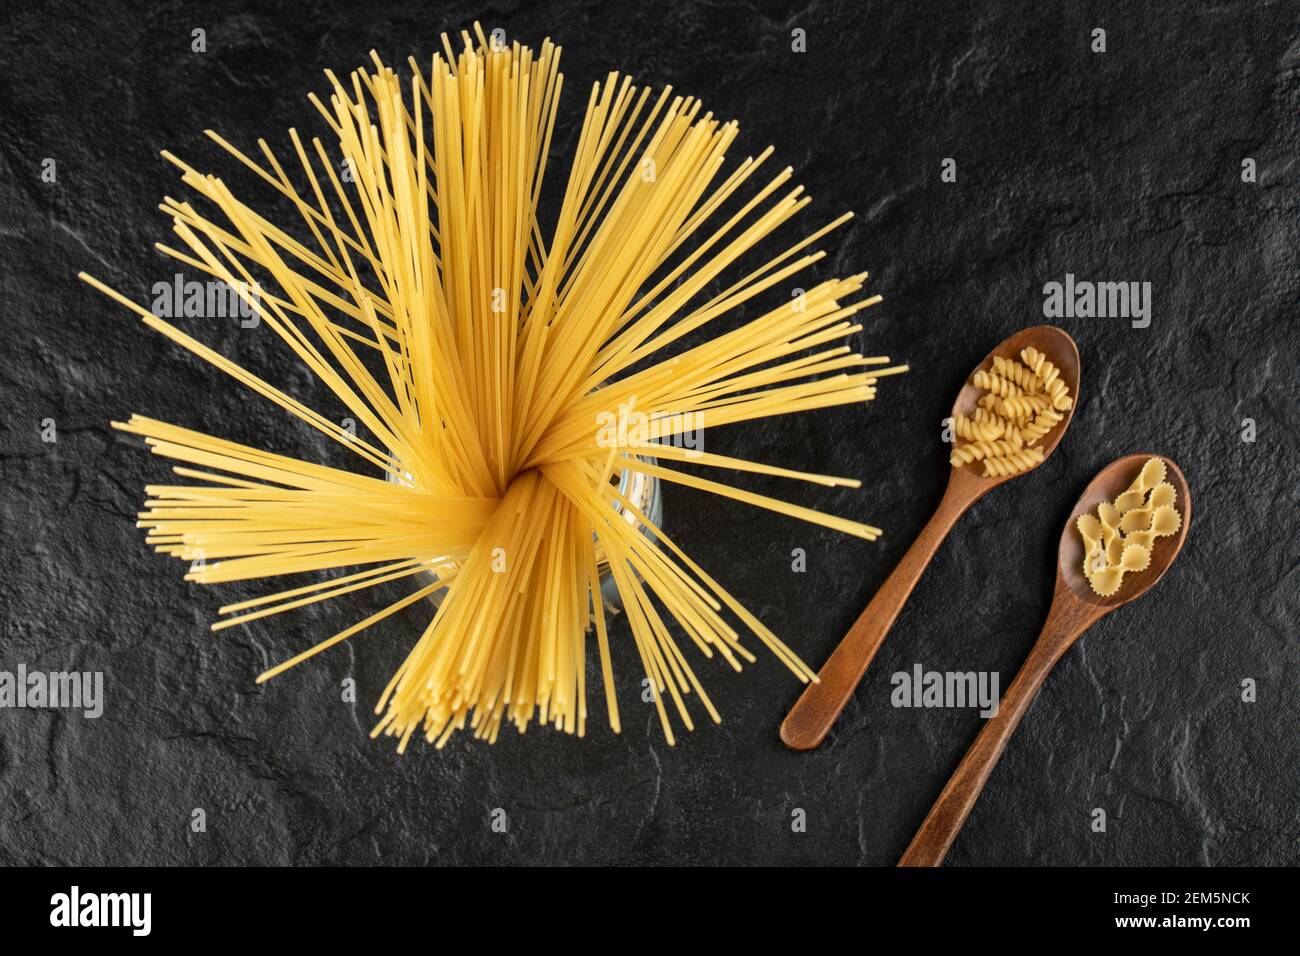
[1118,539]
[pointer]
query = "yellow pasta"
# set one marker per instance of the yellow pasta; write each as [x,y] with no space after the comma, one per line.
[478,354]
[1152,474]
[1043,422]
[1135,557]
[1013,462]
[995,384]
[1106,580]
[1038,363]
[1129,500]
[1005,428]
[1022,408]
[1017,374]
[979,428]
[1021,405]
[1048,374]
[1011,431]
[1165,521]
[977,450]
[1119,539]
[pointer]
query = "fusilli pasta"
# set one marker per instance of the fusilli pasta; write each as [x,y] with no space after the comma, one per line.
[976,450]
[995,384]
[1017,374]
[976,429]
[1015,462]
[1022,402]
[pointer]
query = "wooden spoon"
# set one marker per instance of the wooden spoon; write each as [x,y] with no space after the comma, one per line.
[1075,608]
[812,716]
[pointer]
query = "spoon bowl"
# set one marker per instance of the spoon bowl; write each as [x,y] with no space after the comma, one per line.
[1061,351]
[1110,483]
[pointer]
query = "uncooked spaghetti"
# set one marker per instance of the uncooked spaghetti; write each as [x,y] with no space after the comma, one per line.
[477,357]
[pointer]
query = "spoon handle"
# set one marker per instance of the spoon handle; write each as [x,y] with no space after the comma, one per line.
[813,715]
[1067,619]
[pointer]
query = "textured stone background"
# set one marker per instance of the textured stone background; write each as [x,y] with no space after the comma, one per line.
[1120,166]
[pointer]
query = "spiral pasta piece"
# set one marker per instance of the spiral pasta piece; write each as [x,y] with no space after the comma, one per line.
[974,429]
[994,383]
[1012,464]
[1021,407]
[1043,423]
[1038,363]
[1009,430]
[1017,374]
[976,450]
[1061,400]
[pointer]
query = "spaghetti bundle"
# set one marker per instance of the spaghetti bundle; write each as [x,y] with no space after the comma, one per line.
[478,357]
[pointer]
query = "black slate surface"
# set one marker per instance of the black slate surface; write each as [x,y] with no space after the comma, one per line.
[1117,166]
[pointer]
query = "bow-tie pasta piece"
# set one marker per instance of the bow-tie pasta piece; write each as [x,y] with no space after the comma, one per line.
[1090,531]
[1130,501]
[1110,517]
[1165,521]
[1106,582]
[1114,551]
[1139,520]
[1162,496]
[1134,558]
[1143,539]
[1152,474]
